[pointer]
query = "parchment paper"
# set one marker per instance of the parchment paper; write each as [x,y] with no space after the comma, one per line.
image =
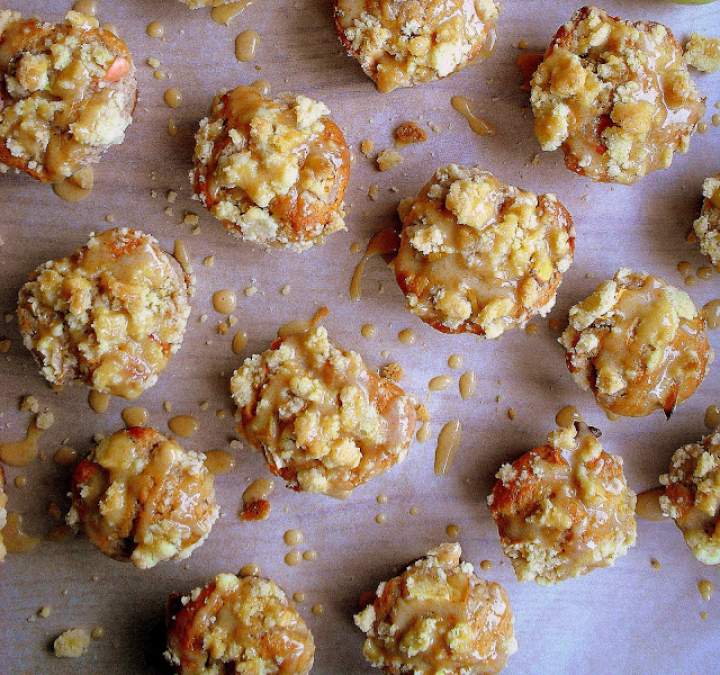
[630,618]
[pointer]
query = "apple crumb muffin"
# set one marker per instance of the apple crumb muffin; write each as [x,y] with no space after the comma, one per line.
[273,171]
[237,625]
[323,420]
[477,255]
[563,509]
[616,95]
[111,314]
[692,496]
[401,44]
[707,226]
[67,93]
[438,616]
[141,497]
[638,344]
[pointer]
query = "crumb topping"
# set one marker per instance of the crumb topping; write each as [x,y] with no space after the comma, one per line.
[638,344]
[111,314]
[240,625]
[692,496]
[141,497]
[400,44]
[323,420]
[707,225]
[616,95]
[274,171]
[67,92]
[481,256]
[703,53]
[559,517]
[438,617]
[72,644]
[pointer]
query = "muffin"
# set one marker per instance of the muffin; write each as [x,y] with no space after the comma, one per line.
[707,226]
[563,509]
[67,93]
[142,498]
[3,513]
[479,256]
[692,496]
[110,315]
[237,625]
[273,171]
[438,617]
[638,344]
[401,44]
[616,95]
[324,421]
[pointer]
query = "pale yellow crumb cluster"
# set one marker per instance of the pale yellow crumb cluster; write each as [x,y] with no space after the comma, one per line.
[111,314]
[272,170]
[707,225]
[324,421]
[692,496]
[563,509]
[72,644]
[637,343]
[66,101]
[400,44]
[438,617]
[238,624]
[479,255]
[123,519]
[703,53]
[616,95]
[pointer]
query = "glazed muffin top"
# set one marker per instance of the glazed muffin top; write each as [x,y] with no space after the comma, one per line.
[616,95]
[273,171]
[67,91]
[111,314]
[481,256]
[400,43]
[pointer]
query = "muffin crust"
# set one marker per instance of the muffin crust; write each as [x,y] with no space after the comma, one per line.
[480,256]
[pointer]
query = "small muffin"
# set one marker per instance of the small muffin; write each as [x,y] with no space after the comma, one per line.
[142,498]
[237,625]
[67,93]
[638,344]
[3,513]
[401,44]
[477,255]
[563,509]
[616,96]
[692,496]
[110,315]
[273,171]
[438,617]
[324,421]
[707,226]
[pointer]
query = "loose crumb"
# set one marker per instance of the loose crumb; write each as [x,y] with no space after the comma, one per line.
[72,644]
[392,371]
[366,147]
[191,218]
[409,132]
[388,159]
[511,413]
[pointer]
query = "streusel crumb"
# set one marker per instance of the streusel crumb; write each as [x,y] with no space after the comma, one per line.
[707,225]
[703,53]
